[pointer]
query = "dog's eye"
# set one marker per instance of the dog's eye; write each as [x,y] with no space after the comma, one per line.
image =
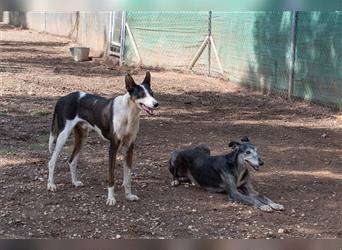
[248,152]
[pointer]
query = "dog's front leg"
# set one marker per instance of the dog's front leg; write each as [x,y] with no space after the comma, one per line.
[269,202]
[128,158]
[113,148]
[249,190]
[235,195]
[249,200]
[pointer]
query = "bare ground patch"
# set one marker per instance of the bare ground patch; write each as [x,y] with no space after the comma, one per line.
[299,142]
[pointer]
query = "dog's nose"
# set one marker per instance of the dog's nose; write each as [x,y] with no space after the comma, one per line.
[155,104]
[261,162]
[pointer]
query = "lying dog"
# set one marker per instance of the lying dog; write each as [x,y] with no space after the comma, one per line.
[115,119]
[225,173]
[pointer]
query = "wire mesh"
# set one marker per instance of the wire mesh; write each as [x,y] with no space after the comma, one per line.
[166,39]
[318,68]
[253,47]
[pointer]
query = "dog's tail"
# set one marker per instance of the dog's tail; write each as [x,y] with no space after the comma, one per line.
[53,131]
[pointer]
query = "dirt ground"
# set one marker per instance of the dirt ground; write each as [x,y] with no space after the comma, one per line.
[299,142]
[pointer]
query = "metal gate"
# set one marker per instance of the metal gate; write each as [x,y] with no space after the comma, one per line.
[117,34]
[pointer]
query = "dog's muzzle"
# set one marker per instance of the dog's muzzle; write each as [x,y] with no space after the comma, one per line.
[148,110]
[254,166]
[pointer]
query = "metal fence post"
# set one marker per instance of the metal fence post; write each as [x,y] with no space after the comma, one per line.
[45,21]
[294,16]
[122,37]
[209,44]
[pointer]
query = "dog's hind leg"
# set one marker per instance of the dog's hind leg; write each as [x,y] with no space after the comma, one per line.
[51,141]
[128,158]
[53,131]
[80,136]
[173,168]
[61,139]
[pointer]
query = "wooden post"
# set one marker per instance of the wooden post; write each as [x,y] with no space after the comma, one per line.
[293,52]
[216,55]
[199,52]
[135,47]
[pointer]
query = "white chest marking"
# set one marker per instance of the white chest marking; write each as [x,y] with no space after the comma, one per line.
[126,118]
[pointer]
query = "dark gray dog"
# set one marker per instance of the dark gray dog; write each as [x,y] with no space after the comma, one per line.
[224,173]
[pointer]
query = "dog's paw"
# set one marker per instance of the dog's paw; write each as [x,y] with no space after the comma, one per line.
[111,201]
[132,197]
[265,208]
[175,183]
[276,206]
[78,183]
[51,187]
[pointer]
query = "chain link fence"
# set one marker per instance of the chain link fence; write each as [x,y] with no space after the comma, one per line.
[166,39]
[252,48]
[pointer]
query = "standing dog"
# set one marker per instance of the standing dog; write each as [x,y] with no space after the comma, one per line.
[226,173]
[116,120]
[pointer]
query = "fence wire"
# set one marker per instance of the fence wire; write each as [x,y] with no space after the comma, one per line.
[253,47]
[166,39]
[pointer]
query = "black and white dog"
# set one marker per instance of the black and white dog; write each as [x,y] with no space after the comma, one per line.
[225,173]
[115,119]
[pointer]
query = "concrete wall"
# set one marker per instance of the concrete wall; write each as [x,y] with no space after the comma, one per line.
[93,30]
[16,18]
[86,28]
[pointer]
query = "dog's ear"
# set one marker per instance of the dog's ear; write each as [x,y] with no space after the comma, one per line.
[245,139]
[234,144]
[147,78]
[129,82]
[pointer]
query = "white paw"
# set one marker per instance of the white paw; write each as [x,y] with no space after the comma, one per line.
[132,197]
[78,183]
[277,206]
[174,183]
[51,187]
[266,208]
[111,201]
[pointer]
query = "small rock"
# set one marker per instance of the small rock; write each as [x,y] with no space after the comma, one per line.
[281,231]
[269,234]
[118,236]
[56,70]
[324,135]
[205,103]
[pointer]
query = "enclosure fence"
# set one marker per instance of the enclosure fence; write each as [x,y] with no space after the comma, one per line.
[259,49]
